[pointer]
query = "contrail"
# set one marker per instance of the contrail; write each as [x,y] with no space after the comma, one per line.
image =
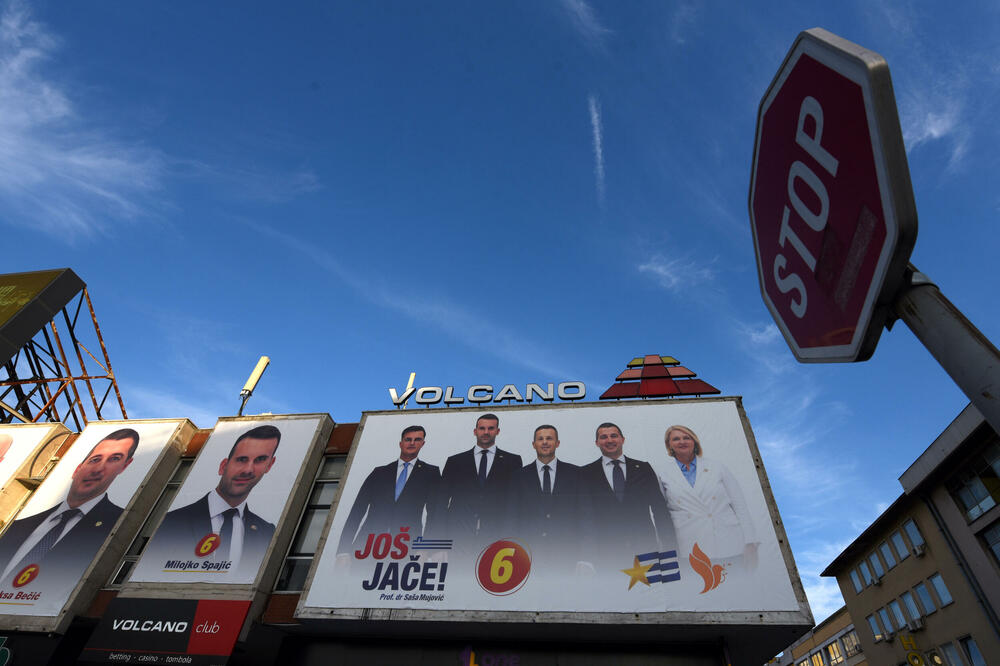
[595,124]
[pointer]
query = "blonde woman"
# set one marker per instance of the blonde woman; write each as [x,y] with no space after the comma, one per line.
[706,503]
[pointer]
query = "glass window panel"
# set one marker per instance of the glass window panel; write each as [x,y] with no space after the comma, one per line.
[876,565]
[852,644]
[944,596]
[324,493]
[833,653]
[866,573]
[876,630]
[897,614]
[972,652]
[293,574]
[911,531]
[900,545]
[817,659]
[309,532]
[952,658]
[911,606]
[333,467]
[856,580]
[890,561]
[925,598]
[804,662]
[884,616]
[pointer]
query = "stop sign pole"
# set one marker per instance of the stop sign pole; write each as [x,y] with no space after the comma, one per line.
[834,220]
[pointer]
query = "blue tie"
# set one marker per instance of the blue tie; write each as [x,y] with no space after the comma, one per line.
[618,480]
[401,481]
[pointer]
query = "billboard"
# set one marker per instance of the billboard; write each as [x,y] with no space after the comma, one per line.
[45,552]
[19,442]
[646,507]
[222,520]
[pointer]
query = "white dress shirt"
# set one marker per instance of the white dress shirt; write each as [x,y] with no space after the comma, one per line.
[218,506]
[491,453]
[541,472]
[609,469]
[47,525]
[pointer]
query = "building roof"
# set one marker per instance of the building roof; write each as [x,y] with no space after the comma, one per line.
[941,448]
[872,534]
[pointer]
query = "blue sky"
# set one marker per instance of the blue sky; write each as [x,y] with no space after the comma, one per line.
[481,193]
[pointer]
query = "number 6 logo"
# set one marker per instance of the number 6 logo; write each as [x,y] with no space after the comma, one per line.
[26,575]
[503,567]
[207,545]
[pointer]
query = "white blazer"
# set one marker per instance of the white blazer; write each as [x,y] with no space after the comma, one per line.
[713,513]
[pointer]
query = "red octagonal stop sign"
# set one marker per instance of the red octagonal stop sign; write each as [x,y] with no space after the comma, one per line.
[831,205]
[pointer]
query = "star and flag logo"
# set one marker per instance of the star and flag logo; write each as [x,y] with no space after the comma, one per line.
[655,567]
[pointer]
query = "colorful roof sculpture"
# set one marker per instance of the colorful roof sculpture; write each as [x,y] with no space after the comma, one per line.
[655,376]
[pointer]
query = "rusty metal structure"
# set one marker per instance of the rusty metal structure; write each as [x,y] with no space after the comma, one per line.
[54,365]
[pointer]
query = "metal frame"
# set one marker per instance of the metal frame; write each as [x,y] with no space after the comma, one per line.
[42,383]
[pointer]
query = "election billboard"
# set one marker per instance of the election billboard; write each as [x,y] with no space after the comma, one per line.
[652,507]
[19,444]
[46,552]
[222,521]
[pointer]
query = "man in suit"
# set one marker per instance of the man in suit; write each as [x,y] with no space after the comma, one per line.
[58,544]
[479,489]
[393,496]
[241,536]
[619,494]
[548,516]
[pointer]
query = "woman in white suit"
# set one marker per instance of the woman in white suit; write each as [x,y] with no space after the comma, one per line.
[706,503]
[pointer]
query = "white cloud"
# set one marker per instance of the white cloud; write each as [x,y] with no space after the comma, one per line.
[936,116]
[760,334]
[584,20]
[57,169]
[598,135]
[676,273]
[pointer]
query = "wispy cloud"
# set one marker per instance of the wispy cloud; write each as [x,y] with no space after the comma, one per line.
[597,131]
[683,18]
[249,184]
[675,274]
[929,118]
[584,20]
[471,328]
[58,169]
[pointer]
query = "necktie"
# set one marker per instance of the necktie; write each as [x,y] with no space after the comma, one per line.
[546,481]
[482,468]
[226,533]
[401,481]
[40,549]
[618,480]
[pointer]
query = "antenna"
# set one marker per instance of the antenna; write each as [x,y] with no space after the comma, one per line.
[252,381]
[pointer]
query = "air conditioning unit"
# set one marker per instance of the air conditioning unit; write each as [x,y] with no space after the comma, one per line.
[915,625]
[877,581]
[889,635]
[919,549]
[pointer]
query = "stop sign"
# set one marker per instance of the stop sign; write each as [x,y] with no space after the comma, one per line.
[831,207]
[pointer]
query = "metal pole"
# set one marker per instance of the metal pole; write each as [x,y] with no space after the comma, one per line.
[971,360]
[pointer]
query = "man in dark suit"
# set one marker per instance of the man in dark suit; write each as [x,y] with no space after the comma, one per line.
[479,489]
[235,534]
[57,545]
[548,499]
[619,494]
[393,496]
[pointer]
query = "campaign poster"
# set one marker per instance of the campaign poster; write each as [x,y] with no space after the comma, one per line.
[47,550]
[19,442]
[650,507]
[222,520]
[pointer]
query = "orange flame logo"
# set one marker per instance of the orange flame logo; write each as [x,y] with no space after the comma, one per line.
[712,574]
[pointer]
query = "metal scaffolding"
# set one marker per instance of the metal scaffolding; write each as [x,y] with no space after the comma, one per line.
[42,382]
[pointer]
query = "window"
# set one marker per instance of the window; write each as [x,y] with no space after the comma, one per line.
[992,538]
[976,488]
[804,662]
[886,622]
[897,614]
[876,566]
[866,573]
[944,596]
[876,630]
[952,658]
[817,659]
[900,545]
[911,531]
[911,606]
[152,521]
[925,599]
[857,581]
[972,651]
[833,654]
[303,548]
[890,561]
[852,645]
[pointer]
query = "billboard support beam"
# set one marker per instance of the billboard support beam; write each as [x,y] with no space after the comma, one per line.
[968,356]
